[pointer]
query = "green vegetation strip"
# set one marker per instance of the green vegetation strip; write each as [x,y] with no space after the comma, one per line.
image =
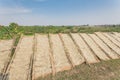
[13,30]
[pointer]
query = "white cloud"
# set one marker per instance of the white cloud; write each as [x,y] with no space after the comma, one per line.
[14,10]
[90,18]
[110,16]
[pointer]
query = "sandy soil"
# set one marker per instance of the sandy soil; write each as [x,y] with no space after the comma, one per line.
[85,50]
[20,67]
[42,64]
[104,47]
[95,48]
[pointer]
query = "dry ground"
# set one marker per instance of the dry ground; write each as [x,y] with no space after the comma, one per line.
[47,57]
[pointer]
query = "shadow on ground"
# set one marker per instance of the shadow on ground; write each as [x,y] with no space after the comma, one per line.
[4,75]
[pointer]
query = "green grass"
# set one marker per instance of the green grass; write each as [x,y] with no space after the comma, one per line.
[105,70]
[30,30]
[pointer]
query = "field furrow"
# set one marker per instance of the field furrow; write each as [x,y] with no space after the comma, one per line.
[117,34]
[75,55]
[5,52]
[60,59]
[95,48]
[19,67]
[112,39]
[116,37]
[37,56]
[85,50]
[104,47]
[42,64]
[108,42]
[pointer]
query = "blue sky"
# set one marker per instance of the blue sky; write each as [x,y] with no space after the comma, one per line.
[59,12]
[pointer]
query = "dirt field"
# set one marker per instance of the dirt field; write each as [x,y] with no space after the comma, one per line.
[37,56]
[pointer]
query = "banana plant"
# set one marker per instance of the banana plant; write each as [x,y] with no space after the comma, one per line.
[12,31]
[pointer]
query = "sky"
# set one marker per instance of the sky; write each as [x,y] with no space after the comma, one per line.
[60,12]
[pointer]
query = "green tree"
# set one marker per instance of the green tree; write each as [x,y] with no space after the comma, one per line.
[14,30]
